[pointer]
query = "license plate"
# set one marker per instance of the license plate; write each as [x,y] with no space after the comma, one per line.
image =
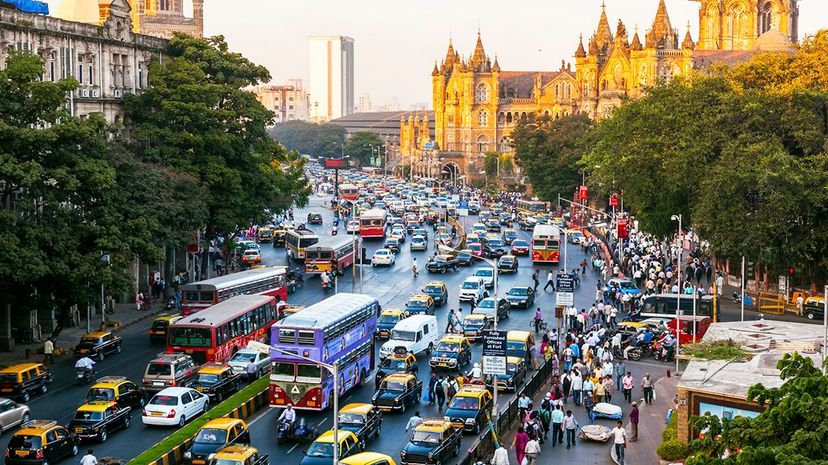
[198,462]
[199,388]
[6,390]
[385,409]
[157,383]
[443,364]
[21,453]
[156,414]
[79,430]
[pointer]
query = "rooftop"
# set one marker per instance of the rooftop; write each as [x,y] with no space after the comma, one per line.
[767,341]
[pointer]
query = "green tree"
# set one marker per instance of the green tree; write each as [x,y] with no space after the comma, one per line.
[359,147]
[318,140]
[791,431]
[549,151]
[491,162]
[198,119]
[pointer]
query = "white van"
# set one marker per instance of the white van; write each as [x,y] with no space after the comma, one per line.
[416,333]
[473,288]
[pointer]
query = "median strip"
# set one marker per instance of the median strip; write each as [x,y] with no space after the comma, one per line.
[240,405]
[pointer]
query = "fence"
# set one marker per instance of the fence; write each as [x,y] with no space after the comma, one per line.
[484,447]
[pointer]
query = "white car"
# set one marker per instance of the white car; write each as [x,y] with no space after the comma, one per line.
[238,363]
[486,275]
[419,243]
[383,257]
[352,227]
[473,288]
[174,406]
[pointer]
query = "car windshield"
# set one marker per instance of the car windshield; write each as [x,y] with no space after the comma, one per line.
[397,386]
[470,285]
[243,357]
[434,289]
[407,336]
[394,364]
[381,252]
[515,348]
[164,400]
[473,322]
[464,403]
[205,378]
[388,319]
[485,273]
[89,341]
[511,367]
[190,337]
[159,369]
[486,303]
[26,442]
[101,394]
[626,285]
[448,347]
[227,462]
[520,291]
[507,261]
[8,377]
[427,437]
[417,303]
[89,416]
[495,243]
[211,436]
[320,449]
[520,244]
[352,418]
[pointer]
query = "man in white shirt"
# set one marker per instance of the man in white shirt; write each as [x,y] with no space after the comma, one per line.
[85,363]
[501,456]
[620,440]
[414,421]
[89,459]
[288,414]
[532,451]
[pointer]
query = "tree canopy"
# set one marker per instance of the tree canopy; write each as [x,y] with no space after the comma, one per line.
[359,148]
[791,431]
[318,140]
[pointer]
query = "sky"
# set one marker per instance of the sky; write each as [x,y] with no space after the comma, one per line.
[396,41]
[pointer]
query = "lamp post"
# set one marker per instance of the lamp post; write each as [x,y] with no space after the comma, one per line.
[679,274]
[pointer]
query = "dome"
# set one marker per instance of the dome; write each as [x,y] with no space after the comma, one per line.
[83,11]
[773,41]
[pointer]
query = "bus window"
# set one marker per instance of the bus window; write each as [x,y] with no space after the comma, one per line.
[307,338]
[287,336]
[283,372]
[308,374]
[539,243]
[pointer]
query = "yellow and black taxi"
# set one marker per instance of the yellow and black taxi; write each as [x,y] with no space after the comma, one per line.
[368,458]
[401,361]
[158,329]
[814,307]
[279,237]
[97,419]
[364,420]
[474,325]
[314,218]
[514,377]
[239,455]
[420,304]
[117,389]
[98,344]
[438,291]
[433,441]
[387,320]
[40,442]
[519,344]
[470,408]
[320,451]
[217,380]
[453,351]
[214,436]
[22,380]
[397,391]
[264,234]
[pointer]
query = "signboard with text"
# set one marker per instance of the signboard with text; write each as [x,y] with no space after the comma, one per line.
[494,352]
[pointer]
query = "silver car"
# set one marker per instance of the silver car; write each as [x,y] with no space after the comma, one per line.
[238,363]
[12,414]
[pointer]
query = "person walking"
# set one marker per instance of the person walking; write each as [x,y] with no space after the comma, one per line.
[628,385]
[89,458]
[450,317]
[557,419]
[501,456]
[521,439]
[570,424]
[536,281]
[589,404]
[523,404]
[647,388]
[431,383]
[537,320]
[566,384]
[440,394]
[550,281]
[577,386]
[414,421]
[49,352]
[619,369]
[620,441]
[532,451]
[634,422]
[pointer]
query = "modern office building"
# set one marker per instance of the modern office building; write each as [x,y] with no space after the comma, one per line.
[331,77]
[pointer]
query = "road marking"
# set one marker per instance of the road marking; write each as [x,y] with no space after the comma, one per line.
[259,417]
[292,448]
[320,423]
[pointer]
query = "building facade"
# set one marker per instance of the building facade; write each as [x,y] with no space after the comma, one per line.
[160,18]
[108,61]
[477,105]
[331,77]
[288,102]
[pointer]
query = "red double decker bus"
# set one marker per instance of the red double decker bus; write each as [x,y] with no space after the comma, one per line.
[546,244]
[372,223]
[348,192]
[270,281]
[216,333]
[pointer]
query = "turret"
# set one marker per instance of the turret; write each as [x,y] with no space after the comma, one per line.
[495,66]
[580,53]
[603,36]
[688,44]
[636,42]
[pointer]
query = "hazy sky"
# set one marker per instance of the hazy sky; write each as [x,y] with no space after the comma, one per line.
[397,41]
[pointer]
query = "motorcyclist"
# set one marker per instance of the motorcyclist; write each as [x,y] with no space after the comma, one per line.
[86,364]
[326,280]
[476,372]
[414,268]
[631,344]
[288,415]
[668,346]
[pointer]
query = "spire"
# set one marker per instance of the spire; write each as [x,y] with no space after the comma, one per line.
[450,54]
[661,25]
[435,71]
[478,59]
[636,42]
[688,40]
[580,53]
[603,35]
[593,46]
[496,66]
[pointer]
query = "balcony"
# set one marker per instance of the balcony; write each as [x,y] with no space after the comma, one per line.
[615,93]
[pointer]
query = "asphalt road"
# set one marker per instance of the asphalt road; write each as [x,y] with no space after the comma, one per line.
[390,285]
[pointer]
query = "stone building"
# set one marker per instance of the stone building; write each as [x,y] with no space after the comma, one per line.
[160,18]
[108,61]
[288,102]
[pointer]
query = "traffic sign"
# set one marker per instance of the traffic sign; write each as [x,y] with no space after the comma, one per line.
[494,352]
[565,298]
[494,365]
[565,283]
[463,204]
[462,212]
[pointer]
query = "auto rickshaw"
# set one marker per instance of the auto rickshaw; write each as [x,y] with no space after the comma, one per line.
[279,237]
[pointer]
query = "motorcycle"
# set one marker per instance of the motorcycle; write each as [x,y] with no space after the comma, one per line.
[334,230]
[172,304]
[84,375]
[662,354]
[297,431]
[294,280]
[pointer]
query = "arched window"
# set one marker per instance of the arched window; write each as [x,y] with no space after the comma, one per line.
[481,94]
[509,118]
[483,118]
[482,144]
[546,113]
[501,118]
[523,115]
[766,21]
[568,91]
[505,146]
[510,92]
[557,91]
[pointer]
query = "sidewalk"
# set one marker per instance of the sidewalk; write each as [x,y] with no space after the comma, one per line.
[651,424]
[124,315]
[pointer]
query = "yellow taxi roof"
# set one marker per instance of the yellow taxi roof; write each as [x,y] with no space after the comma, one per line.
[109,382]
[452,338]
[363,458]
[435,283]
[633,324]
[420,297]
[402,377]
[392,312]
[36,428]
[356,408]
[164,317]
[471,390]
[223,423]
[96,406]
[214,369]
[96,334]
[434,426]
[514,360]
[19,367]
[235,452]
[517,335]
[327,436]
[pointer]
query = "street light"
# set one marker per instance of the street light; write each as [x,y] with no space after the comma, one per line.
[678,300]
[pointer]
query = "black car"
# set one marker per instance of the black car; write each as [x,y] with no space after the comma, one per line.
[364,420]
[400,362]
[314,218]
[397,391]
[814,307]
[521,296]
[514,377]
[451,353]
[441,264]
[495,248]
[95,420]
[507,264]
[217,381]
[392,244]
[487,307]
[97,345]
[492,225]
[464,257]
[433,441]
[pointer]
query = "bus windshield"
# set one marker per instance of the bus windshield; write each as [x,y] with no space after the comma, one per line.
[190,337]
[308,374]
[283,372]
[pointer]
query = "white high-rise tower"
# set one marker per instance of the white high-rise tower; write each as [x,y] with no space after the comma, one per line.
[331,77]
